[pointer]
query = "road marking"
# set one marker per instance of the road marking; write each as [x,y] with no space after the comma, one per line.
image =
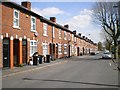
[110,64]
[33,69]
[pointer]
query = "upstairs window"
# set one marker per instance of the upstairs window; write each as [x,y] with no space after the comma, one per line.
[33,23]
[16,19]
[44,29]
[60,33]
[72,37]
[65,35]
[75,39]
[69,36]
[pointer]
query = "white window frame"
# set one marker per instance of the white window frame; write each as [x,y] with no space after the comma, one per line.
[72,37]
[72,48]
[14,18]
[60,33]
[59,48]
[33,30]
[45,29]
[53,30]
[33,45]
[65,35]
[75,39]
[65,47]
[69,36]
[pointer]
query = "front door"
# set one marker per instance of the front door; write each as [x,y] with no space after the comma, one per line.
[56,50]
[6,53]
[78,51]
[24,51]
[16,52]
[69,51]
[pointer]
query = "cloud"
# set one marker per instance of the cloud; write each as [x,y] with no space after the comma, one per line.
[82,20]
[83,23]
[48,11]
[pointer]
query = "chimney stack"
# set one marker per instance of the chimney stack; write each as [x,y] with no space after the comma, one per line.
[79,34]
[53,19]
[26,4]
[83,37]
[66,26]
[74,31]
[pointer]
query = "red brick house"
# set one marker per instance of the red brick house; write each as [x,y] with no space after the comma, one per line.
[25,32]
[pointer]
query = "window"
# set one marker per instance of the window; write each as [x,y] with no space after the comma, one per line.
[60,33]
[69,36]
[45,29]
[59,48]
[75,39]
[33,47]
[53,29]
[65,35]
[65,48]
[33,24]
[72,37]
[16,19]
[45,49]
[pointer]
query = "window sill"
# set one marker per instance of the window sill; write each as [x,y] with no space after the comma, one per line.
[16,27]
[60,53]
[33,31]
[65,52]
[45,35]
[60,38]
[65,39]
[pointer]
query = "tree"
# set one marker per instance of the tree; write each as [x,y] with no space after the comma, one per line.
[100,47]
[107,16]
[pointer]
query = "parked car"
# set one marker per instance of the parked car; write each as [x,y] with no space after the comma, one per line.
[107,55]
[92,53]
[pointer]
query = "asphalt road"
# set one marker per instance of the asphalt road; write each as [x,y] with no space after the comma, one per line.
[77,72]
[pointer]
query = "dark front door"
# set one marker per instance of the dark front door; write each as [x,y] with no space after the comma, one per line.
[24,51]
[69,51]
[6,53]
[56,50]
[83,51]
[78,51]
[16,52]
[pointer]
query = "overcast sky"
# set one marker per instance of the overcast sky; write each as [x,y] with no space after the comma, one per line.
[77,14]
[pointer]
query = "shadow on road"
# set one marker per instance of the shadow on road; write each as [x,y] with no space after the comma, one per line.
[99,84]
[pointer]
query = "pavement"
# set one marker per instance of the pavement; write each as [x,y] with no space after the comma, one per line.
[16,70]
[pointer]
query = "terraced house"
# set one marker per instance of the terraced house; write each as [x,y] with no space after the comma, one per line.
[24,32]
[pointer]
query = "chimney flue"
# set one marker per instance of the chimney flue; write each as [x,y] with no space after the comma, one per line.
[26,4]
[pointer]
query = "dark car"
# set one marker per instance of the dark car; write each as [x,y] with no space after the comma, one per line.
[92,53]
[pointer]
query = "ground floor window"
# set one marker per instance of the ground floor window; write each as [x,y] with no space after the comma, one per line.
[45,49]
[59,48]
[33,47]
[65,48]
